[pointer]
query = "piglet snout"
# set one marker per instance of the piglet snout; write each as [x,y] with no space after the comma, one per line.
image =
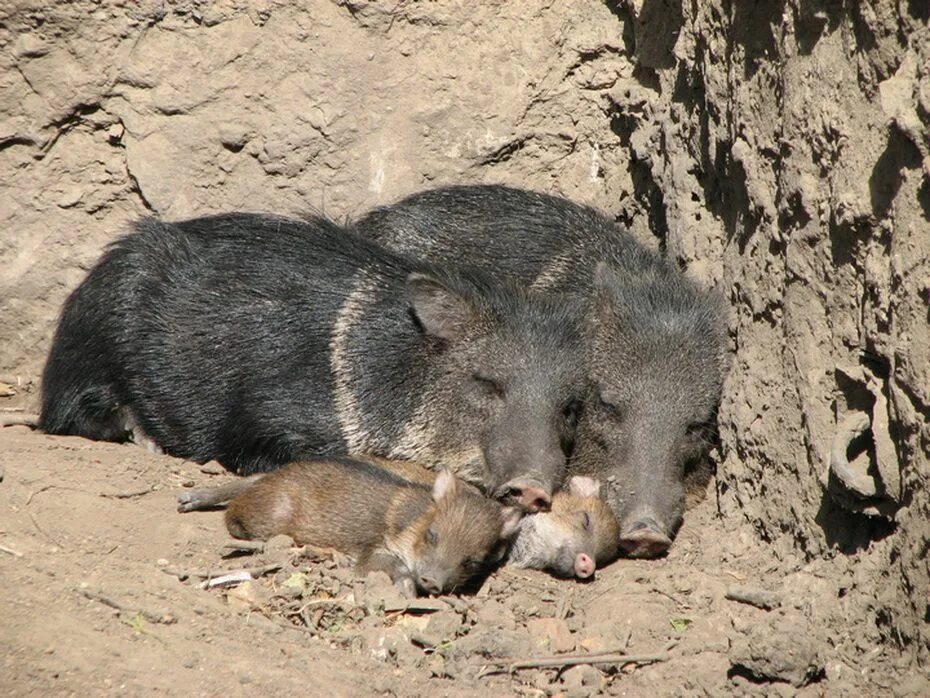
[584,566]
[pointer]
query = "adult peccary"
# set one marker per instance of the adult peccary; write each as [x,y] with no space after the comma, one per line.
[429,538]
[655,340]
[576,536]
[258,340]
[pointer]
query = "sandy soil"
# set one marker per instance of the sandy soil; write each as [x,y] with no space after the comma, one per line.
[102,594]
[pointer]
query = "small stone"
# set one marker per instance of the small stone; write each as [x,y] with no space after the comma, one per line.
[551,634]
[233,135]
[493,642]
[247,596]
[441,627]
[379,593]
[29,46]
[583,675]
[912,686]
[387,644]
[437,666]
[495,614]
[115,134]
[212,468]
[778,648]
[595,643]
[161,562]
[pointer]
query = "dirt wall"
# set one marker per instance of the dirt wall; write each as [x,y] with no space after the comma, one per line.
[788,147]
[778,150]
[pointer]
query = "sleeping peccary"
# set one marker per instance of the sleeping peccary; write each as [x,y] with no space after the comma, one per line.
[257,340]
[339,502]
[655,341]
[429,538]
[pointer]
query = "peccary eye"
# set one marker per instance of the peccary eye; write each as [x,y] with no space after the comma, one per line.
[489,386]
[695,429]
[611,403]
[431,536]
[571,411]
[586,520]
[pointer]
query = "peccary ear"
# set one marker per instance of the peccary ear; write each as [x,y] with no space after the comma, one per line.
[511,524]
[582,486]
[604,281]
[442,312]
[446,485]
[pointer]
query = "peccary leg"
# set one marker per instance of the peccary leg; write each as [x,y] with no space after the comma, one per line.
[204,498]
[381,560]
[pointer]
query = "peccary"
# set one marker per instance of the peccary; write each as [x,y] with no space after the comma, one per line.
[655,340]
[428,538]
[577,536]
[257,340]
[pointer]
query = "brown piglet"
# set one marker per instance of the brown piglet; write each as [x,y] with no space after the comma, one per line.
[429,538]
[576,536]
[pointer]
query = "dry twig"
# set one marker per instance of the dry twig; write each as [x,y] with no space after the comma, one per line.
[766,600]
[255,572]
[14,553]
[128,495]
[165,618]
[512,664]
[19,420]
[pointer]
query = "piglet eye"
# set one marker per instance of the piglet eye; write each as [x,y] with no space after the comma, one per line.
[431,536]
[489,385]
[586,520]
[472,566]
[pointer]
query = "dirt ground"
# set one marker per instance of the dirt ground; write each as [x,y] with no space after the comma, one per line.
[102,583]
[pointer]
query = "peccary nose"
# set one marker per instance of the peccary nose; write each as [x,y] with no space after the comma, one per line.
[430,585]
[644,538]
[584,566]
[529,496]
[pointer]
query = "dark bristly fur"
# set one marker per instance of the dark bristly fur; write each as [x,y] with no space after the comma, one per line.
[656,342]
[258,340]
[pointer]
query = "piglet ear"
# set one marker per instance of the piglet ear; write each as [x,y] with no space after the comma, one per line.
[582,486]
[440,311]
[446,485]
[511,521]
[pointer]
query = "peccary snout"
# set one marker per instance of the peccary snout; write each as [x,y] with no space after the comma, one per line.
[643,537]
[529,495]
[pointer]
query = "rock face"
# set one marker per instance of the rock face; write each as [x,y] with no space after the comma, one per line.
[779,150]
[787,147]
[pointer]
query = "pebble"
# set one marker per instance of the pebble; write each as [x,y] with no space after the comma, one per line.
[551,634]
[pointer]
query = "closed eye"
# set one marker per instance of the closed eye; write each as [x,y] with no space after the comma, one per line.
[612,403]
[586,520]
[570,411]
[474,566]
[489,385]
